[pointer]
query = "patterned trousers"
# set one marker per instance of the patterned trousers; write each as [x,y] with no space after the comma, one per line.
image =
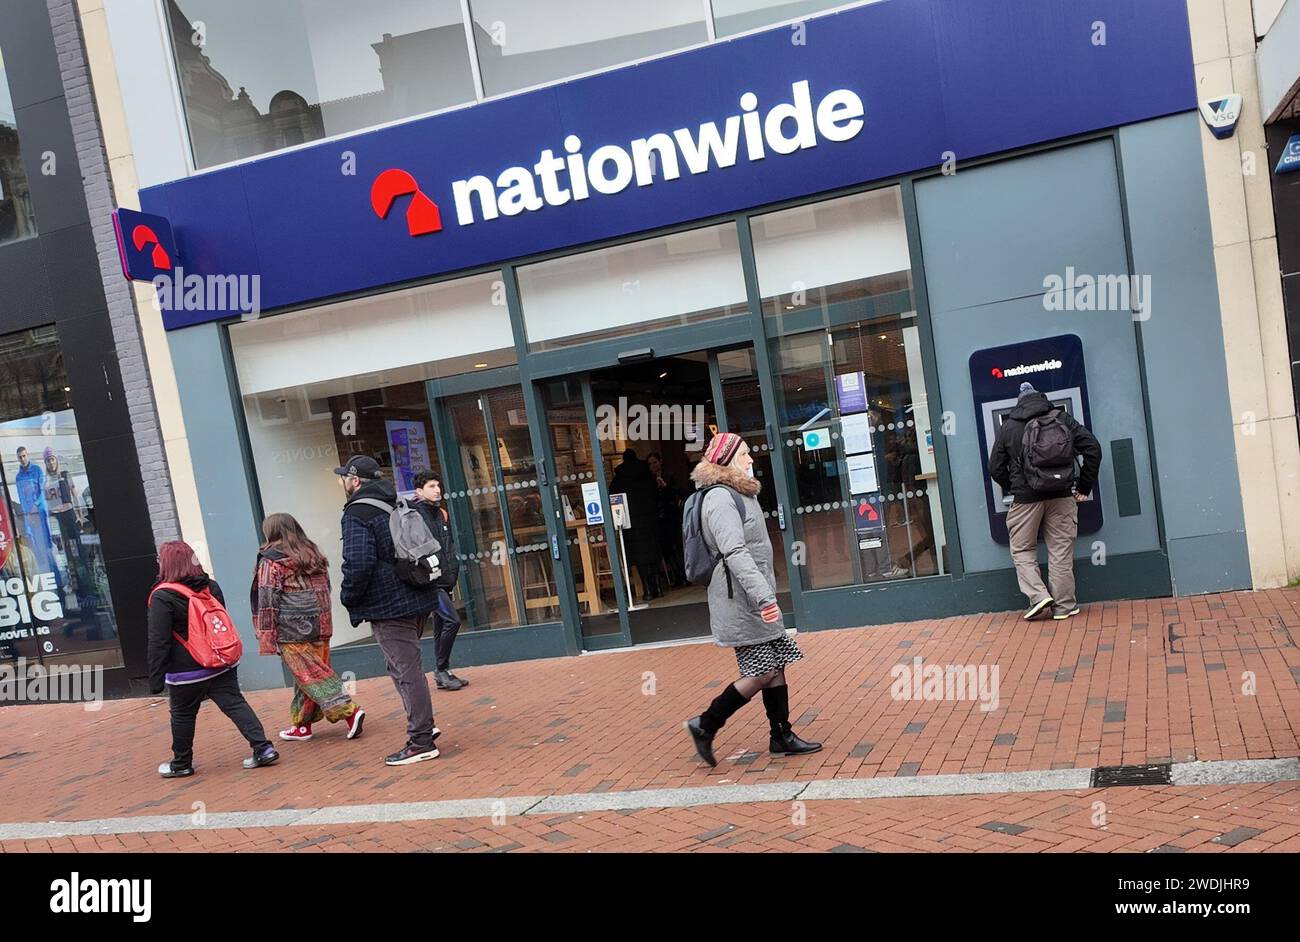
[317,691]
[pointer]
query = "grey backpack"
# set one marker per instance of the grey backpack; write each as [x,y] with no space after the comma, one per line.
[415,550]
[700,558]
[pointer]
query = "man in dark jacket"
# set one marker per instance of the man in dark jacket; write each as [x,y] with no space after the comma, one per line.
[634,479]
[446,620]
[1054,512]
[397,611]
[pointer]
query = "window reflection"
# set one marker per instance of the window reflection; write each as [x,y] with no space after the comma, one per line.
[257,76]
[16,218]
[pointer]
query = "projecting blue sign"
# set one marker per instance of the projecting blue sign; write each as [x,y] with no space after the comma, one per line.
[1290,156]
[866,93]
[145,244]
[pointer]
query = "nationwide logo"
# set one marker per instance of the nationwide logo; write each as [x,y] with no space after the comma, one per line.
[1023,368]
[422,215]
[142,236]
[554,179]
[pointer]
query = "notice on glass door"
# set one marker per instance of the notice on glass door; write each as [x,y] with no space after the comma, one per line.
[851,390]
[856,432]
[862,474]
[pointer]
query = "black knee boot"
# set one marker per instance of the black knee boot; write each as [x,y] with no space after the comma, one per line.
[705,726]
[784,742]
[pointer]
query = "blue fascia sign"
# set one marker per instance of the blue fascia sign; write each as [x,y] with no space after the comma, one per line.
[1290,160]
[866,93]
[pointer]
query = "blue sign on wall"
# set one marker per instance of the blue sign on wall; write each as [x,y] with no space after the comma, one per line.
[863,94]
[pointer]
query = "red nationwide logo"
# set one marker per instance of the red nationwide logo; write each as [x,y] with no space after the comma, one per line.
[142,236]
[997,372]
[422,215]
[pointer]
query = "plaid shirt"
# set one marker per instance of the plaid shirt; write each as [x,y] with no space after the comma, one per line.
[371,589]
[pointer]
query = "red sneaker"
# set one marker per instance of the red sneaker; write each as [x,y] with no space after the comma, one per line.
[354,723]
[296,733]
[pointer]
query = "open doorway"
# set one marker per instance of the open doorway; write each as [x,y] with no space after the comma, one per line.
[652,421]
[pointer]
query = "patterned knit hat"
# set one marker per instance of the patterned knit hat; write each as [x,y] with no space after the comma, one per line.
[722,448]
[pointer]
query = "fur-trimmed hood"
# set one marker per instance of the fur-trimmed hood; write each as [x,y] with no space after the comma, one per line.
[707,473]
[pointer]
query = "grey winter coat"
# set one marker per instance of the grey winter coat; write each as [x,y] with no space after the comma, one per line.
[747,552]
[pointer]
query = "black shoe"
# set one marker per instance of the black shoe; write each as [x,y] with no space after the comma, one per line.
[1039,610]
[463,681]
[445,681]
[267,756]
[785,743]
[703,741]
[411,753]
[167,770]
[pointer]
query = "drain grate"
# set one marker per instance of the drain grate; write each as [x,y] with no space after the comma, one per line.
[1111,775]
[1227,635]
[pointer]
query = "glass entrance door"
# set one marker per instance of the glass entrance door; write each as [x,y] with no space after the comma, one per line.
[626,439]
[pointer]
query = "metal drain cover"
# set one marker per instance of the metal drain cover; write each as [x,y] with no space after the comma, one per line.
[1111,775]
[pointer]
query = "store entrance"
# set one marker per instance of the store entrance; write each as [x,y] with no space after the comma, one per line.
[652,420]
[625,441]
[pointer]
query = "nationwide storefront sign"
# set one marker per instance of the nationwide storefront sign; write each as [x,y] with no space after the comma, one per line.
[866,93]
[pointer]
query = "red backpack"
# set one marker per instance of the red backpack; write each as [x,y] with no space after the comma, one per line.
[213,640]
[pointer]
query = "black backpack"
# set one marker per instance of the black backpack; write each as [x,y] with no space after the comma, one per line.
[700,559]
[1047,456]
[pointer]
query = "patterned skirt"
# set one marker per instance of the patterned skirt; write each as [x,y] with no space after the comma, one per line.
[756,659]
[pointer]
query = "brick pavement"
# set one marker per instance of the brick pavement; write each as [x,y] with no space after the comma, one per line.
[1124,683]
[1205,819]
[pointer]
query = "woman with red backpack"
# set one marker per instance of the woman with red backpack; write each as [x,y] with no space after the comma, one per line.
[291,613]
[194,651]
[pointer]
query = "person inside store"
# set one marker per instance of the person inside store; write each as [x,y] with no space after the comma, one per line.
[446,620]
[668,511]
[291,606]
[1035,459]
[172,663]
[398,611]
[634,479]
[64,503]
[743,611]
[30,481]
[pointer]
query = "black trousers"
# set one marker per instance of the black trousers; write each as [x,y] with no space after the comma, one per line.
[446,624]
[223,690]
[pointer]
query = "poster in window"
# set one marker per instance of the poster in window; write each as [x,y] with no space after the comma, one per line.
[410,453]
[54,598]
[862,474]
[851,390]
[856,431]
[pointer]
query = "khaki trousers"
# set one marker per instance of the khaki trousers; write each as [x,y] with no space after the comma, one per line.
[1058,519]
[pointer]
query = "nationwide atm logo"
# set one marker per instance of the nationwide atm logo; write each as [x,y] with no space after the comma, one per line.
[1023,368]
[572,176]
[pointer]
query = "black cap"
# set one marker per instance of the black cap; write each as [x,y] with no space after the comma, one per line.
[363,466]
